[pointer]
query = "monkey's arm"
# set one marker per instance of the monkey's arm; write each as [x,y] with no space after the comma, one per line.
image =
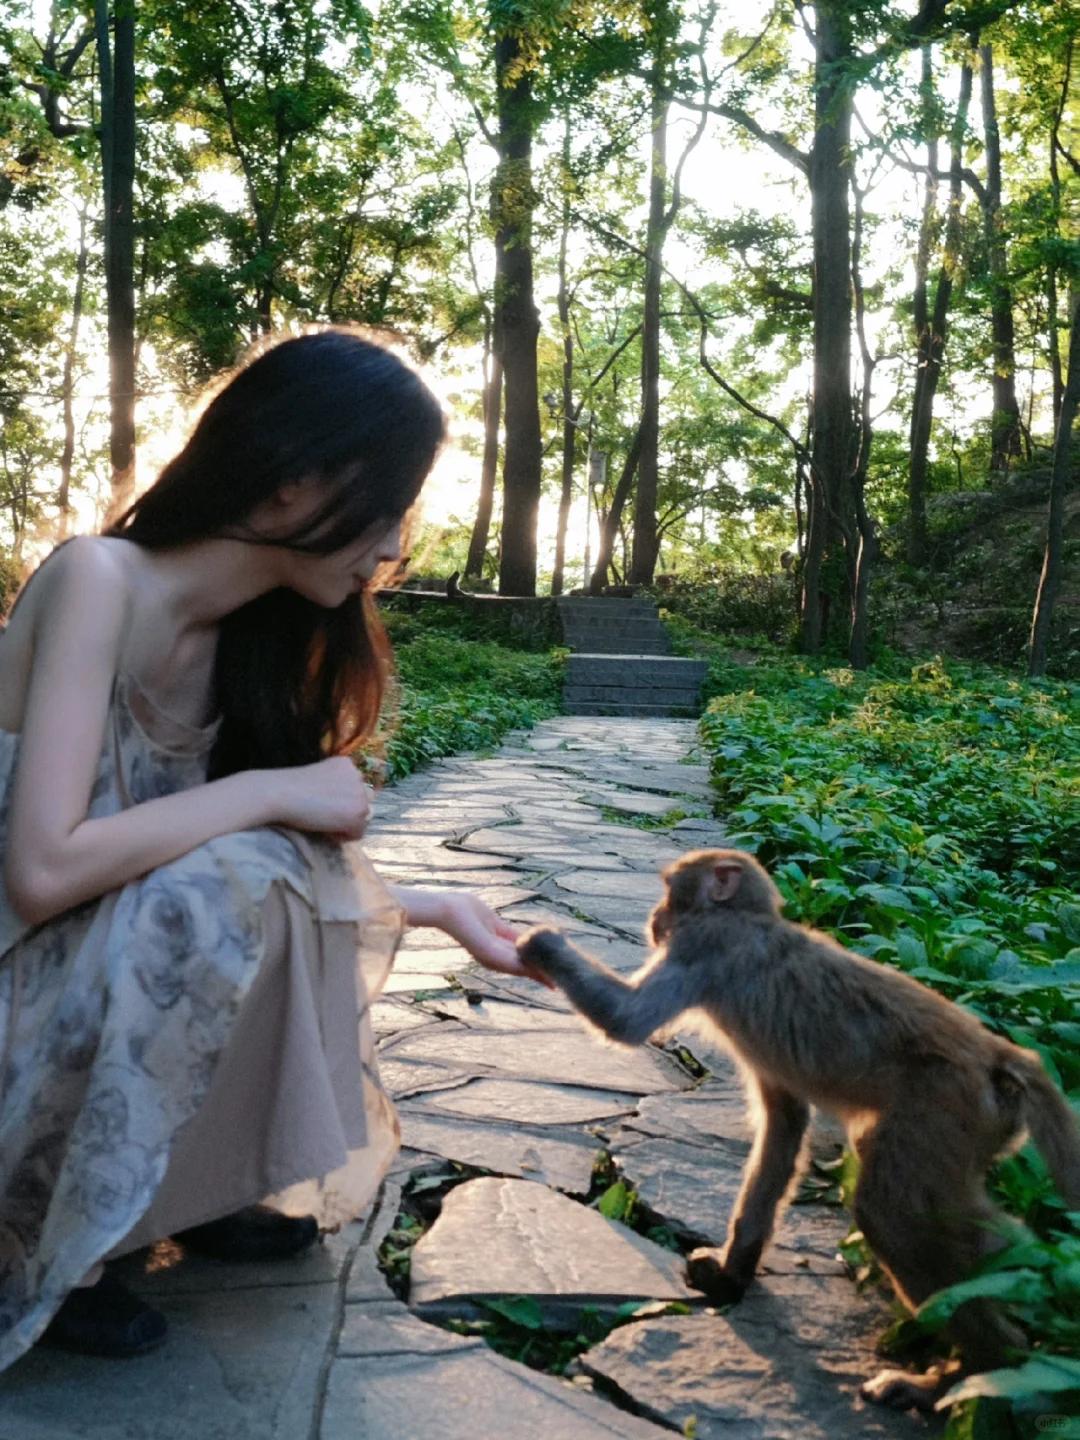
[629,1011]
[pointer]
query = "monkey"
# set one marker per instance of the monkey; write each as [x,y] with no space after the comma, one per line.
[928,1096]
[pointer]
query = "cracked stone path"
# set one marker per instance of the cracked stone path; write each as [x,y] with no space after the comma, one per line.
[495,1073]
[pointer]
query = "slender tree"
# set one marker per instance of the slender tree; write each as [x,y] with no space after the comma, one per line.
[932,321]
[115,39]
[1005,423]
[569,431]
[1050,579]
[67,455]
[517,322]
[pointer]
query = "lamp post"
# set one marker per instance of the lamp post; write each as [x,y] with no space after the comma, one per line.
[583,420]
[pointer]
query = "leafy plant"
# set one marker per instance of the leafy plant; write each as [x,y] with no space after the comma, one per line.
[455,693]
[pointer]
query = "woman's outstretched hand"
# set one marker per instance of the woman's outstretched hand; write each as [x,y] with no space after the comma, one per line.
[475,926]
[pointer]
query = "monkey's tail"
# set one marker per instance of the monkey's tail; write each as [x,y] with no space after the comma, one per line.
[1049,1118]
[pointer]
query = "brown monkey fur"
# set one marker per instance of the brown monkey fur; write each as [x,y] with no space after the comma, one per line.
[929,1097]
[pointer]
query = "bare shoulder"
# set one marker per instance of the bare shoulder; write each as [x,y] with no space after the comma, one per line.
[72,615]
[92,574]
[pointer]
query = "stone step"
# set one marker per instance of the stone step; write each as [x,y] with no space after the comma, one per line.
[631,695]
[641,626]
[605,605]
[609,617]
[647,670]
[616,645]
[601,707]
[582,636]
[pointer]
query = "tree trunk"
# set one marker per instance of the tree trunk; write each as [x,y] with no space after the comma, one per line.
[67,455]
[611,525]
[920,416]
[1057,378]
[831,551]
[1050,579]
[116,66]
[489,464]
[569,437]
[932,328]
[645,539]
[1005,424]
[867,542]
[516,321]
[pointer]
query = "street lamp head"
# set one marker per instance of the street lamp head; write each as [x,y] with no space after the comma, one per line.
[551,400]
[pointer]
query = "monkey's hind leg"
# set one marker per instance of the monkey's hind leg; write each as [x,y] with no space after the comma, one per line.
[922,1205]
[725,1274]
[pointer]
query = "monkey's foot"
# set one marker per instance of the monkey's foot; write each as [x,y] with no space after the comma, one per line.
[706,1272]
[901,1390]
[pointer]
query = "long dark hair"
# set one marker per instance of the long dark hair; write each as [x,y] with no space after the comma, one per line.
[294,681]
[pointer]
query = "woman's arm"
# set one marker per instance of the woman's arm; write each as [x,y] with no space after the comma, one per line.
[56,857]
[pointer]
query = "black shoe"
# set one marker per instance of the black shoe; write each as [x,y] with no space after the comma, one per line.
[255,1233]
[106,1319]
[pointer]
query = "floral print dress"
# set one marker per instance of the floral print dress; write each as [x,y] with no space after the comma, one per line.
[188,1044]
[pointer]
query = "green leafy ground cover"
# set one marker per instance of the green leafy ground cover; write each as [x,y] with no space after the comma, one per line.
[929,817]
[457,692]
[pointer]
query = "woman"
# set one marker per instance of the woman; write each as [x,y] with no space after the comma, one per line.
[187,939]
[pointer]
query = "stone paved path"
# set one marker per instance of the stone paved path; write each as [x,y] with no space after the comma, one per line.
[496,1074]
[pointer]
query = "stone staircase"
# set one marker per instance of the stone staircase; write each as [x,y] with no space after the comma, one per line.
[621,662]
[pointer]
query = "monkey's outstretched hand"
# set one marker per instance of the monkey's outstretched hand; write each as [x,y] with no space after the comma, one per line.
[543,950]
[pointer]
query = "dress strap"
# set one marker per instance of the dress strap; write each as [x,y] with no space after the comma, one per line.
[157,726]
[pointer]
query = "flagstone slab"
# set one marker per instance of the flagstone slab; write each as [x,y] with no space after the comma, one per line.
[634,886]
[694,1189]
[508,840]
[626,916]
[442,857]
[401,981]
[389,1018]
[556,912]
[491,1014]
[426,937]
[435,961]
[554,1055]
[784,1364]
[403,1078]
[528,1102]
[457,1389]
[497,1237]
[574,858]
[516,989]
[636,802]
[365,1281]
[716,1109]
[239,1365]
[565,1163]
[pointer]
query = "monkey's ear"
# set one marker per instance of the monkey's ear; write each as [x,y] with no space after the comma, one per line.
[723,882]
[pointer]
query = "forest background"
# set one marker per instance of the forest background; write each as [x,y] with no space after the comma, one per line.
[750,299]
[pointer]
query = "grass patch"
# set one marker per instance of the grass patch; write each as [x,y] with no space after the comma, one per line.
[614,816]
[459,693]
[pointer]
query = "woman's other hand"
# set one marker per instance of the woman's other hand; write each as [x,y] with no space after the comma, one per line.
[329,797]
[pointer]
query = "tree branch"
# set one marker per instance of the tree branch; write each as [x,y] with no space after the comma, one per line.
[772,138]
[801,451]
